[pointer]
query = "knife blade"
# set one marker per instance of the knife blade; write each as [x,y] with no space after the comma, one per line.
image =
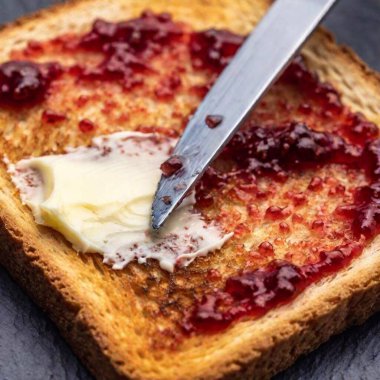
[257,64]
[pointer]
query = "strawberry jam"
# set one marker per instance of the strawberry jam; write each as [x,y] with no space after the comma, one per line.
[25,83]
[212,121]
[214,49]
[171,166]
[254,293]
[128,46]
[267,152]
[277,151]
[52,117]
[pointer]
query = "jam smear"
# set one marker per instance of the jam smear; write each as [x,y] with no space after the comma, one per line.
[168,86]
[212,121]
[365,211]
[315,184]
[359,130]
[128,46]
[24,82]
[278,150]
[171,166]
[52,117]
[327,96]
[254,293]
[213,49]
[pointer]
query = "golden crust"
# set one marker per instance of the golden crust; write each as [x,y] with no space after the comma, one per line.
[87,301]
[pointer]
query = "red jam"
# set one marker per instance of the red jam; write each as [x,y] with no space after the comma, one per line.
[265,247]
[254,293]
[25,83]
[284,227]
[276,151]
[307,82]
[128,46]
[171,166]
[276,213]
[168,86]
[214,49]
[86,126]
[315,184]
[212,121]
[52,117]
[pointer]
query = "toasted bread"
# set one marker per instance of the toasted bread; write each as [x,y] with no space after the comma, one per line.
[124,324]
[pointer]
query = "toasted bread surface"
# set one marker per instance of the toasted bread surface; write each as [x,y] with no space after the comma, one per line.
[122,324]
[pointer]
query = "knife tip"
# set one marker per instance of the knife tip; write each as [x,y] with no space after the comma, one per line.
[168,196]
[156,223]
[160,212]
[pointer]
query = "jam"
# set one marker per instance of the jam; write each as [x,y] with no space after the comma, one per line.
[168,86]
[86,126]
[276,213]
[212,121]
[307,82]
[284,227]
[254,293]
[269,151]
[265,247]
[128,46]
[52,117]
[25,83]
[171,166]
[276,151]
[214,49]
[315,184]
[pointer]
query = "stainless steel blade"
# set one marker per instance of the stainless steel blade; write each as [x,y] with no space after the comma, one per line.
[257,64]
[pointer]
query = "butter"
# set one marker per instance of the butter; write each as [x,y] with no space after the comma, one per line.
[100,197]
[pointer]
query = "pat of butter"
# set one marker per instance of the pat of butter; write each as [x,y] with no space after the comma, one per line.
[100,198]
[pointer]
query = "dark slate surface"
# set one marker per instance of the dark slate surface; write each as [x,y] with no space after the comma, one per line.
[31,347]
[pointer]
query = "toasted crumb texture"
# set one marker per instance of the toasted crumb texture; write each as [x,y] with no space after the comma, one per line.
[124,324]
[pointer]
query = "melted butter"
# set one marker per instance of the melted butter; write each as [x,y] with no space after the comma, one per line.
[100,198]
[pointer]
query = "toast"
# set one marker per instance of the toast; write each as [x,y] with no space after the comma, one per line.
[123,324]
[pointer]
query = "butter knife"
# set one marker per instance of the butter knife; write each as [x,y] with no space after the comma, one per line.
[258,63]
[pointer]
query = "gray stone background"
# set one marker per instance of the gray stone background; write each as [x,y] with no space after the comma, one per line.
[30,345]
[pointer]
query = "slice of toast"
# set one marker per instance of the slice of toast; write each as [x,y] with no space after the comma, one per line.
[120,323]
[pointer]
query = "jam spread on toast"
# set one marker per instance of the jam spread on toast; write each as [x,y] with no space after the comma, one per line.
[282,141]
[128,47]
[52,117]
[213,49]
[25,82]
[256,292]
[275,151]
